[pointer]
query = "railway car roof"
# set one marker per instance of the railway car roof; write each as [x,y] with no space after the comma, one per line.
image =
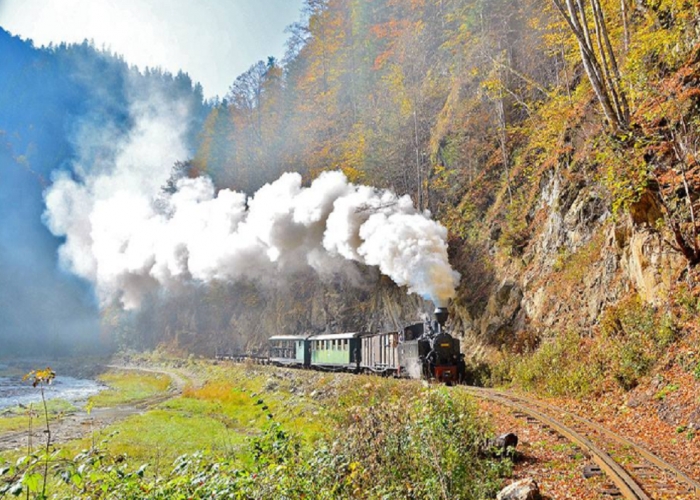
[288,337]
[372,334]
[336,336]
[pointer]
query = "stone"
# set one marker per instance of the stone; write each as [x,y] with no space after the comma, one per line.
[525,489]
[501,446]
[508,440]
[651,266]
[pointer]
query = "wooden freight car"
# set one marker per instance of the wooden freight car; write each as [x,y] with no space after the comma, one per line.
[380,353]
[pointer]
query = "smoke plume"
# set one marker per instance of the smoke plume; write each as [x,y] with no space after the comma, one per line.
[128,236]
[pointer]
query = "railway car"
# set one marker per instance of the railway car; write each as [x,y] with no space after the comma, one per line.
[336,352]
[289,350]
[379,353]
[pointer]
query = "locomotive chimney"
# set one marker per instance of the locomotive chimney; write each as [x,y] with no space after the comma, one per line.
[441,315]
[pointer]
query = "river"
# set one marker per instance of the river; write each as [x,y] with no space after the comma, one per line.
[14,391]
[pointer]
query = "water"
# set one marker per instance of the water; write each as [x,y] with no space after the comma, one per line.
[14,391]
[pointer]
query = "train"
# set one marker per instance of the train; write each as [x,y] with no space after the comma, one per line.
[420,351]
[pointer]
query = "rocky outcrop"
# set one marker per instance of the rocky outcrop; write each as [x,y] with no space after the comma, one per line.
[503,315]
[649,264]
[525,489]
[579,260]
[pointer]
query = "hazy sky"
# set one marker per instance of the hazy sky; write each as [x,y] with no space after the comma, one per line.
[212,40]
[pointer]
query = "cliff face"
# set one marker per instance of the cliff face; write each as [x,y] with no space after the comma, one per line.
[579,260]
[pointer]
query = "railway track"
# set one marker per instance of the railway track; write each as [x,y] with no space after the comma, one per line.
[635,472]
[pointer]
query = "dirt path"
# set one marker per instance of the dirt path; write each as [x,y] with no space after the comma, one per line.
[81,424]
[180,381]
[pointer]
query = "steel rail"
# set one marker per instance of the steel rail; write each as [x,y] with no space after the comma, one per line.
[625,483]
[657,461]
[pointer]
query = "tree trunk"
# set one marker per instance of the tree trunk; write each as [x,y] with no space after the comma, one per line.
[625,25]
[418,163]
[601,67]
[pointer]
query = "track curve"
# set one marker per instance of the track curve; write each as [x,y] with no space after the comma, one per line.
[597,440]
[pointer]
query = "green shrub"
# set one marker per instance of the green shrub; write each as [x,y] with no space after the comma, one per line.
[420,446]
[631,337]
[556,368]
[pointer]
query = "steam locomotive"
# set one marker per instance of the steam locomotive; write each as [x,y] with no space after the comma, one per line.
[421,351]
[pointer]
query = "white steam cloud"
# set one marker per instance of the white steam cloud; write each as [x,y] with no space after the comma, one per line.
[127,236]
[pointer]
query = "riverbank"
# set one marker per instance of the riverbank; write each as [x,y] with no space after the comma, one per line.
[84,407]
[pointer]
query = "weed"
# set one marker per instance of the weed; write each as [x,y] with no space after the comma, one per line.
[668,389]
[129,387]
[556,368]
[631,338]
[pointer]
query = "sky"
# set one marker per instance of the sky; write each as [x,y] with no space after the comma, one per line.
[213,41]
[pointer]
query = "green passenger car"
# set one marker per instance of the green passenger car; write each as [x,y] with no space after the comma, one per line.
[290,350]
[336,351]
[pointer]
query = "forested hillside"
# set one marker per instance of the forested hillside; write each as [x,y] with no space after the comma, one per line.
[557,141]
[554,144]
[558,145]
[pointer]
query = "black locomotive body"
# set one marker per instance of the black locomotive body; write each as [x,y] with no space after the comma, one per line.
[428,351]
[421,351]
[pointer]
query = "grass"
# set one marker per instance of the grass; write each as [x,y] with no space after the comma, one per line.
[219,417]
[16,418]
[15,423]
[160,434]
[129,387]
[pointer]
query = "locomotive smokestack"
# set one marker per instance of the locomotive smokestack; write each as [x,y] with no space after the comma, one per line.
[441,315]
